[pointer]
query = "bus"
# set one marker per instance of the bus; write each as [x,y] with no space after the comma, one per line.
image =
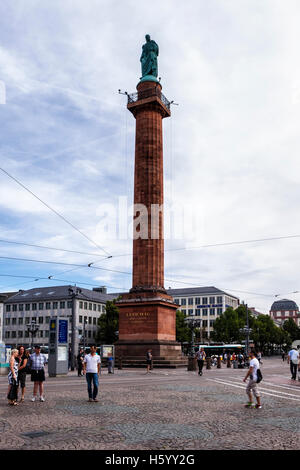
[221,349]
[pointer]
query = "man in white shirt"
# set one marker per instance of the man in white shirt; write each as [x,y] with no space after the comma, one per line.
[91,369]
[252,384]
[293,360]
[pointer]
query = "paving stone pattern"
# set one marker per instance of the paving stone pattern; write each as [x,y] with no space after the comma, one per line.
[158,411]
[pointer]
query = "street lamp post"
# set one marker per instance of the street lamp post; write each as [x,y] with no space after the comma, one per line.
[32,328]
[73,292]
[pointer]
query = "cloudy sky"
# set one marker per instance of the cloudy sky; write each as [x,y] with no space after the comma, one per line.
[231,147]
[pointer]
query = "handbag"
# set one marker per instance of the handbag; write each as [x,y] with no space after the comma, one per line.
[13,393]
[259,376]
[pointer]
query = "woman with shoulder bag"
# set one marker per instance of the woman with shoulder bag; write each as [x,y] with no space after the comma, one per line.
[12,393]
[23,362]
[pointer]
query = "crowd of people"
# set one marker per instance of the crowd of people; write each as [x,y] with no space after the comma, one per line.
[22,363]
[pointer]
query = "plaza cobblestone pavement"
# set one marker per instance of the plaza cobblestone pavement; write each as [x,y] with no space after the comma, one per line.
[163,410]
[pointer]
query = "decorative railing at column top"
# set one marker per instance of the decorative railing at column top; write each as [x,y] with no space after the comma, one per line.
[141,95]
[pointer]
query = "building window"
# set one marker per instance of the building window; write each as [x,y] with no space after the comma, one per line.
[62,304]
[33,319]
[7,334]
[85,305]
[183,301]
[204,323]
[20,334]
[94,321]
[89,334]
[21,307]
[20,321]
[41,334]
[219,300]
[191,311]
[55,305]
[219,311]
[204,300]
[33,306]
[13,321]
[7,321]
[211,323]
[14,308]
[27,320]
[47,319]
[8,308]
[13,334]
[80,318]
[90,306]
[191,301]
[90,320]
[41,306]
[99,308]
[80,304]
[176,301]
[26,334]
[198,312]
[211,300]
[48,305]
[27,307]
[41,320]
[103,309]
[197,301]
[204,311]
[47,333]
[212,311]
[70,304]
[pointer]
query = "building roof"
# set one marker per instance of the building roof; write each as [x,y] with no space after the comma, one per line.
[211,290]
[284,304]
[58,293]
[5,295]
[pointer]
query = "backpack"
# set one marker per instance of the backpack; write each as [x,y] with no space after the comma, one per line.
[259,376]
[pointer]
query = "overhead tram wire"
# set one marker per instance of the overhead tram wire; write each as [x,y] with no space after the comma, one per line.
[51,248]
[64,264]
[55,212]
[36,278]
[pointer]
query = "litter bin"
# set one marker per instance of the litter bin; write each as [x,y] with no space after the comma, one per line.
[192,363]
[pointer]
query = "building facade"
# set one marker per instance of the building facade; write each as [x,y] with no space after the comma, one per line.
[284,309]
[204,304]
[40,304]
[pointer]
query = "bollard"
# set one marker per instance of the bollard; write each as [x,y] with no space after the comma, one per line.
[208,363]
[192,363]
[219,363]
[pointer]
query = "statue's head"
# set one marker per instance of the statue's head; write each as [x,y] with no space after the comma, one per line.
[147,37]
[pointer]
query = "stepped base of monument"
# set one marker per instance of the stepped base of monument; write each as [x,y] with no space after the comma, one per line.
[158,363]
[165,354]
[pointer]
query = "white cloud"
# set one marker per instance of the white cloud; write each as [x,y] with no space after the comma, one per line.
[231,146]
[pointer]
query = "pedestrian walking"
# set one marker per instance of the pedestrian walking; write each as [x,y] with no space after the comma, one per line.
[110,361]
[283,356]
[149,360]
[252,384]
[200,356]
[12,392]
[80,358]
[37,363]
[293,360]
[91,369]
[22,359]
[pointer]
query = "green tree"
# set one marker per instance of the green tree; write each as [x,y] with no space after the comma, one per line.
[108,324]
[227,327]
[183,332]
[292,329]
